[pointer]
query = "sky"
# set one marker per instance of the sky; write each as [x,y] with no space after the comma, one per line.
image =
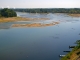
[39,3]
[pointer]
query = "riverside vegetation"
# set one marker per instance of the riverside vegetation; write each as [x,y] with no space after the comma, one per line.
[74,54]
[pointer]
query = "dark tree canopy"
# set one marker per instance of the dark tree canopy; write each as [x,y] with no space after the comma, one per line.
[0,13]
[50,10]
[8,13]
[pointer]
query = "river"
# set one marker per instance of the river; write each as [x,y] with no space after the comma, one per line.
[38,43]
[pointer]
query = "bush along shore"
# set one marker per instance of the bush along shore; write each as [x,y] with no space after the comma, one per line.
[74,54]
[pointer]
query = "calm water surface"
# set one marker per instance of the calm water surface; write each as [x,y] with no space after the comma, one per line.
[38,43]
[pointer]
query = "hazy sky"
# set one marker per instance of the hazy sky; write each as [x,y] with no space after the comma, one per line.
[40,3]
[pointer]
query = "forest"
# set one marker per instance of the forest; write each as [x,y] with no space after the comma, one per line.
[7,13]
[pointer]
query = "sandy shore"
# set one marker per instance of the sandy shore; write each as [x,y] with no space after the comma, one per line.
[14,19]
[35,25]
[74,15]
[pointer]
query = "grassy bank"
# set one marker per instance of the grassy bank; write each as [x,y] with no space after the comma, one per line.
[13,19]
[74,54]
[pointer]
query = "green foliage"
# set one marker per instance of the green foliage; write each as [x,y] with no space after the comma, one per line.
[8,13]
[0,13]
[78,44]
[50,10]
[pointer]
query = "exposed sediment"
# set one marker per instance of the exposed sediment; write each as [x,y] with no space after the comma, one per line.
[74,15]
[15,19]
[35,25]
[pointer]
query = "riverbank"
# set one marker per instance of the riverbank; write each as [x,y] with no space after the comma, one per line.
[74,15]
[74,54]
[15,19]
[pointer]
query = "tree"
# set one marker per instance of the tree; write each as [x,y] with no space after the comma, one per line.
[0,13]
[8,13]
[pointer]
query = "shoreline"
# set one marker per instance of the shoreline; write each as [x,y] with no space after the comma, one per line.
[74,15]
[74,54]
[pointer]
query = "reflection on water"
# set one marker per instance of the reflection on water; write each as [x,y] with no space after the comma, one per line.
[5,25]
[44,43]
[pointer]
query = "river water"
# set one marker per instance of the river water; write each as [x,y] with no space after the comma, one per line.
[38,43]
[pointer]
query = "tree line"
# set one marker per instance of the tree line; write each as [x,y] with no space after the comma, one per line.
[50,10]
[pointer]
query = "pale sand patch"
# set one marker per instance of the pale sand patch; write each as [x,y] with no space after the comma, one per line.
[35,25]
[14,19]
[74,15]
